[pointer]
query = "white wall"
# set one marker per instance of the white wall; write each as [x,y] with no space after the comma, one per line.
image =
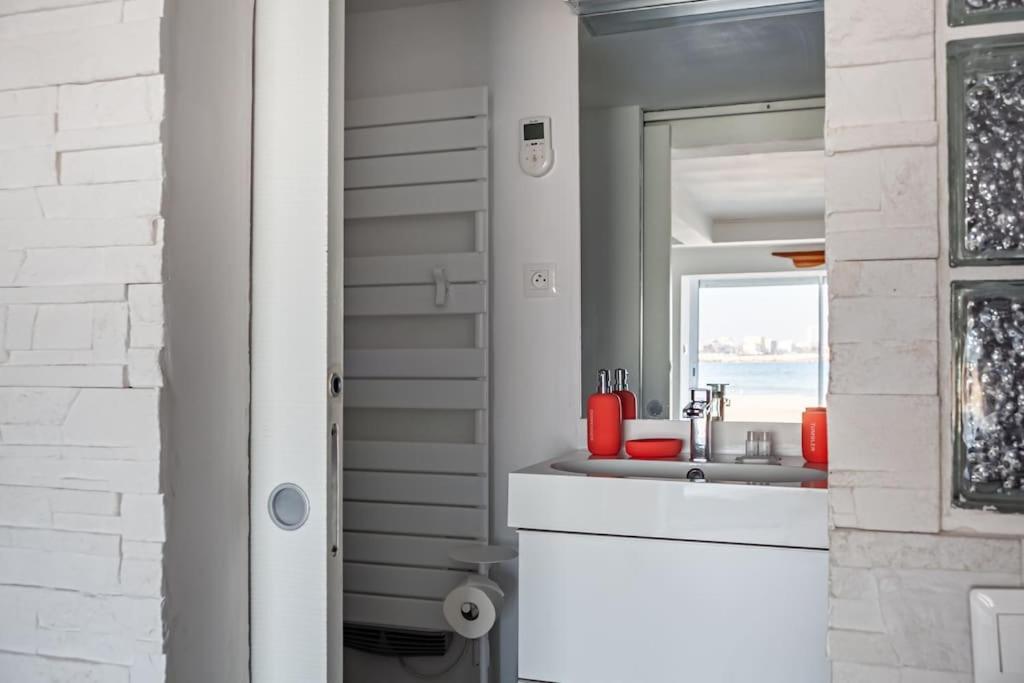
[724,232]
[85,272]
[611,235]
[536,342]
[415,49]
[208,56]
[902,561]
[81,328]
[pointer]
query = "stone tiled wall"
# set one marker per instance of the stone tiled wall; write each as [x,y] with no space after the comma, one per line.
[81,331]
[900,573]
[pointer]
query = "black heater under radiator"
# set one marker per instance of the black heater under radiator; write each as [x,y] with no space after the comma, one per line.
[389,642]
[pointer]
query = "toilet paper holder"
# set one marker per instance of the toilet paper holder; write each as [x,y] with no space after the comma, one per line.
[474,619]
[482,555]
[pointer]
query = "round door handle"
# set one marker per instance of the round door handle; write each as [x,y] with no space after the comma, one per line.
[288,506]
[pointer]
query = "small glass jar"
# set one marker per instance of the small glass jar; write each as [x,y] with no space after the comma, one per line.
[758,445]
[751,447]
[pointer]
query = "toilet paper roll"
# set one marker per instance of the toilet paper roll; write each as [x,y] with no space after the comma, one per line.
[472,607]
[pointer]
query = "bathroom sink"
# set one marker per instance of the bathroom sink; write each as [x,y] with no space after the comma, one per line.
[691,471]
[783,505]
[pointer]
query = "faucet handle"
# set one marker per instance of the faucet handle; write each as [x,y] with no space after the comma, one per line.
[692,412]
[700,401]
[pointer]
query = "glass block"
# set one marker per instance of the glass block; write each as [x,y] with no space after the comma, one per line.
[988,357]
[963,12]
[986,151]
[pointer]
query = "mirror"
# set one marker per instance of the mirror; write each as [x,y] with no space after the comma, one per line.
[702,191]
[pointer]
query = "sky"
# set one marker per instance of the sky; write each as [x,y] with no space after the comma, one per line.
[778,311]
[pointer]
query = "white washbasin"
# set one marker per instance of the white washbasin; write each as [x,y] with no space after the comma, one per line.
[778,505]
[690,471]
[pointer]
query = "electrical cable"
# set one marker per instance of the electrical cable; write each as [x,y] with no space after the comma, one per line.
[431,676]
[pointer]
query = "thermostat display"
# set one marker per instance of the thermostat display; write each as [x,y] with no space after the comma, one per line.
[536,156]
[533,131]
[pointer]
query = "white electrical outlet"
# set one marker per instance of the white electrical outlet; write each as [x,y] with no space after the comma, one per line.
[539,280]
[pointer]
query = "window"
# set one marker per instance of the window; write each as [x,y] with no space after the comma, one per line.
[765,337]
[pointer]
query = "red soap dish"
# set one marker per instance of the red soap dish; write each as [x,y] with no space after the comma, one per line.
[654,449]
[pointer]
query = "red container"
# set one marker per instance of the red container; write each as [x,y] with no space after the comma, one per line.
[604,420]
[628,399]
[654,449]
[815,435]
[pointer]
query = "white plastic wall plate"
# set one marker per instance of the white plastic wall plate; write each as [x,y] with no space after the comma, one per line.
[997,632]
[540,280]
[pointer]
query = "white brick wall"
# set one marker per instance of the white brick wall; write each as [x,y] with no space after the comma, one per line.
[81,332]
[899,583]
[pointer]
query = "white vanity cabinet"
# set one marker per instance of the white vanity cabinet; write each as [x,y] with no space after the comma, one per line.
[622,607]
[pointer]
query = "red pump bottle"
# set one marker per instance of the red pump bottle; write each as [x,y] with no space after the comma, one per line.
[604,419]
[627,397]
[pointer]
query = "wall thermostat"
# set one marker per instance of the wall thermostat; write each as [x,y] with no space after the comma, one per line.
[536,156]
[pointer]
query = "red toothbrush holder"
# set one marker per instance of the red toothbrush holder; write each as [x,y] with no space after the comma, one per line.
[814,435]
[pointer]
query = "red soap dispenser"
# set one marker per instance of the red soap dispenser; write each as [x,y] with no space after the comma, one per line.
[604,419]
[627,397]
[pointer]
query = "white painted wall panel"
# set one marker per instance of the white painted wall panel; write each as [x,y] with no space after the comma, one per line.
[535,221]
[206,469]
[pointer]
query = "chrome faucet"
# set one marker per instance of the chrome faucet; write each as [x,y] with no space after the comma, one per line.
[699,412]
[718,402]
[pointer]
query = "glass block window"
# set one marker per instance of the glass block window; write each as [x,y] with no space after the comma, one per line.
[988,356]
[980,11]
[986,150]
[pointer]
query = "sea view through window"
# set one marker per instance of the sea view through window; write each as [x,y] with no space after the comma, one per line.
[764,338]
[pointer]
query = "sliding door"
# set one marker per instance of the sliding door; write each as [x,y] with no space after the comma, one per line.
[296,557]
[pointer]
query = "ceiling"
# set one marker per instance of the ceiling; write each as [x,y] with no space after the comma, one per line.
[707,64]
[373,5]
[753,186]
